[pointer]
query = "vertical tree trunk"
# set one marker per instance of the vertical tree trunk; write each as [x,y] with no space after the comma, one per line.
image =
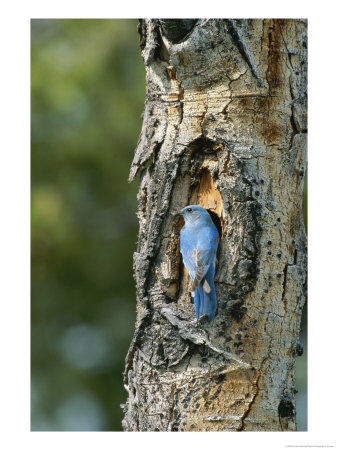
[224,127]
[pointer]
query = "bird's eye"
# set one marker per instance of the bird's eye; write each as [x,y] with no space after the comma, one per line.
[189,209]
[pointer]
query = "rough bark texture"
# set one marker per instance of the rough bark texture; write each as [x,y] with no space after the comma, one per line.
[224,127]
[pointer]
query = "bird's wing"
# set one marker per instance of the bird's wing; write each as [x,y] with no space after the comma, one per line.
[198,251]
[203,259]
[197,261]
[189,259]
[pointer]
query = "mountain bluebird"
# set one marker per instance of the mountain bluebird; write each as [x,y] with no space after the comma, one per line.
[199,241]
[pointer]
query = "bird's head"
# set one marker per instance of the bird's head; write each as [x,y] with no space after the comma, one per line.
[191,213]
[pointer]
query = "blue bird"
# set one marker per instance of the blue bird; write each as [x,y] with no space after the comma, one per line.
[199,242]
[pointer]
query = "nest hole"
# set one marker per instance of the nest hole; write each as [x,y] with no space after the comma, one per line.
[217,222]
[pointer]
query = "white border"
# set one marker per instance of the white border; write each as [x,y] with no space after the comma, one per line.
[15,228]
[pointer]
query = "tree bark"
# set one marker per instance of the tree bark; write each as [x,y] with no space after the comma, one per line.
[224,127]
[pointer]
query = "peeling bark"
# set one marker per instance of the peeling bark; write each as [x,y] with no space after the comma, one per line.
[224,127]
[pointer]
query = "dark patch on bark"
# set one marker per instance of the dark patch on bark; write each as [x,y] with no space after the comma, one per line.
[274,42]
[142,30]
[297,349]
[176,30]
[286,408]
[271,133]
[237,310]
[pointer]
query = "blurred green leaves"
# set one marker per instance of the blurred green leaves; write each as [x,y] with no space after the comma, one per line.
[87,94]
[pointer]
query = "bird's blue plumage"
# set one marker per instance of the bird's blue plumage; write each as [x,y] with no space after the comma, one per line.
[199,242]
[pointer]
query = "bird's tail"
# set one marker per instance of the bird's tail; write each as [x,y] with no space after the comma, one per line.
[205,296]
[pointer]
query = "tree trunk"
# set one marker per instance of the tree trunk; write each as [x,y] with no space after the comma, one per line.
[224,127]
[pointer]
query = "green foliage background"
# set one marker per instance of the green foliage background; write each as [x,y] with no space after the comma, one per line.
[88,91]
[87,96]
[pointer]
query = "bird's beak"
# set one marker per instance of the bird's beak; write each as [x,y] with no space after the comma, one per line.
[177,213]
